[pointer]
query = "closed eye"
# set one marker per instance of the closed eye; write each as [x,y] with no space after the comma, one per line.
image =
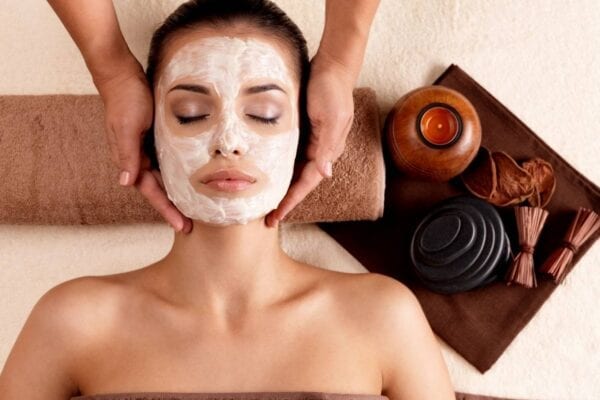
[269,121]
[188,120]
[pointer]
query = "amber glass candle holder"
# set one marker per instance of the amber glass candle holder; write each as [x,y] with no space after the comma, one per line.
[433,133]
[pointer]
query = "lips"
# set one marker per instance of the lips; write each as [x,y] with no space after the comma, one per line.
[228,175]
[228,180]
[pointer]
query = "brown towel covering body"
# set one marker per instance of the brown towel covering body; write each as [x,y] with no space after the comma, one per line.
[256,396]
[55,167]
[232,396]
[478,324]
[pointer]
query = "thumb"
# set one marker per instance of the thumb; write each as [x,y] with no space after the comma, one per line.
[321,148]
[327,149]
[129,148]
[328,139]
[325,164]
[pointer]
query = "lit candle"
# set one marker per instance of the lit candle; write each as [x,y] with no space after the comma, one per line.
[439,125]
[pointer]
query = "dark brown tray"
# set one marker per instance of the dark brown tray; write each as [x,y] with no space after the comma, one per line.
[479,324]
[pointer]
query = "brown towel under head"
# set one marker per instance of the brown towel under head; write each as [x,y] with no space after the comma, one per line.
[55,167]
[481,323]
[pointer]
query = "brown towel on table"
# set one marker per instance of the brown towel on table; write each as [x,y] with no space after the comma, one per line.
[479,324]
[55,167]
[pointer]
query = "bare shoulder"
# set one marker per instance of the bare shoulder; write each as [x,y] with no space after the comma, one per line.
[391,316]
[80,303]
[80,309]
[368,301]
[386,306]
[61,326]
[374,292]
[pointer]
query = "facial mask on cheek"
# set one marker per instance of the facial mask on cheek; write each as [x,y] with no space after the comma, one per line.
[179,157]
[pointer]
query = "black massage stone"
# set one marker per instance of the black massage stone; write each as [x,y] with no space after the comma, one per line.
[459,245]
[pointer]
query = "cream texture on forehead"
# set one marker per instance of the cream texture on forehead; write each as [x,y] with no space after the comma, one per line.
[227,59]
[226,63]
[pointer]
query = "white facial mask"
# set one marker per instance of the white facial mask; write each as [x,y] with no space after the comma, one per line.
[227,63]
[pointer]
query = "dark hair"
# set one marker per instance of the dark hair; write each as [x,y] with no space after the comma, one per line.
[262,14]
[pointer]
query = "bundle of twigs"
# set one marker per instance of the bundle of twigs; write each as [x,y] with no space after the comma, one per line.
[530,221]
[584,225]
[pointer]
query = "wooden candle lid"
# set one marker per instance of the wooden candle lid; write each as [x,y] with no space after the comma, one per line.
[433,133]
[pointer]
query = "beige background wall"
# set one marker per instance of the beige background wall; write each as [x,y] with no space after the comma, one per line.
[540,58]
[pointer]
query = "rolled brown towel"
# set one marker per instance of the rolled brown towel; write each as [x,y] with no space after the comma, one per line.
[55,167]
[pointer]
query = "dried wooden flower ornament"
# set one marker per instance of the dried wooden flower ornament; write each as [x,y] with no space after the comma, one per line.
[498,178]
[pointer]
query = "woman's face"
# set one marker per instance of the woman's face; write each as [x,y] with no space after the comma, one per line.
[226,103]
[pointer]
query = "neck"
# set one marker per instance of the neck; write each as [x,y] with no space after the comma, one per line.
[225,270]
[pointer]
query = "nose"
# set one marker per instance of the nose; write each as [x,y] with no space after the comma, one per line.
[229,143]
[225,151]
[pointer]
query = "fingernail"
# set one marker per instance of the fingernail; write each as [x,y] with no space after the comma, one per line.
[124,178]
[272,221]
[178,226]
[328,169]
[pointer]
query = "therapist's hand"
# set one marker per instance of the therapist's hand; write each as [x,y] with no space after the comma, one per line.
[129,106]
[330,108]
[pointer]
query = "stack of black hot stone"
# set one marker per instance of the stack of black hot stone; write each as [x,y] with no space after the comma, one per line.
[460,245]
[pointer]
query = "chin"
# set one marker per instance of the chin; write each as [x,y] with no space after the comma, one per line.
[227,211]
[224,211]
[230,222]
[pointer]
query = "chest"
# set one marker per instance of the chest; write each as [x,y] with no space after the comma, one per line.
[316,353]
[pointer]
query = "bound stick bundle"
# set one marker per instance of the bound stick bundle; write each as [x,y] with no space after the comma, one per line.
[585,224]
[530,221]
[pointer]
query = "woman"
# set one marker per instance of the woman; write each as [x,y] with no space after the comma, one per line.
[226,310]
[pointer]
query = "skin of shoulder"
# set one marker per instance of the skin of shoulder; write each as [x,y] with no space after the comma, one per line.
[61,327]
[411,360]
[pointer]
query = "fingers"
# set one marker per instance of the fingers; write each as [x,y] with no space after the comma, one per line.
[112,145]
[330,107]
[330,134]
[331,112]
[159,179]
[309,178]
[151,189]
[128,137]
[129,109]
[125,154]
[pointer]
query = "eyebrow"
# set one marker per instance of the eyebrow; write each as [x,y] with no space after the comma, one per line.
[204,90]
[192,88]
[263,88]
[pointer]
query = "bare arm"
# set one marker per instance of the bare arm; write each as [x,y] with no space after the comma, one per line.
[128,102]
[412,363]
[347,26]
[95,30]
[40,364]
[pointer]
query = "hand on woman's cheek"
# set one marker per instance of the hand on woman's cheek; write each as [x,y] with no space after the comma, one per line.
[226,103]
